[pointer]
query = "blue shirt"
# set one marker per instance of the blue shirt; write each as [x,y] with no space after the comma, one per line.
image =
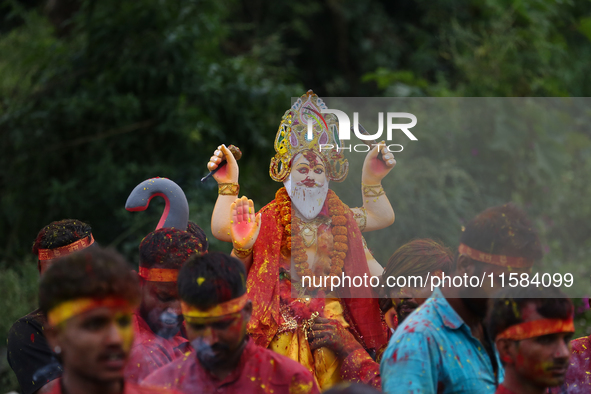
[433,351]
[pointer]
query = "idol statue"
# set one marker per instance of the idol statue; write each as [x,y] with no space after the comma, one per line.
[306,231]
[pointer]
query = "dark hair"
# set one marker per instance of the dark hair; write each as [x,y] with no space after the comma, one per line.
[168,248]
[503,230]
[418,257]
[210,279]
[61,233]
[95,272]
[197,232]
[506,308]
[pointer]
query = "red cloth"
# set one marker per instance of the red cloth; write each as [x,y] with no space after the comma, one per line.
[503,390]
[359,367]
[363,314]
[259,371]
[129,388]
[150,351]
[578,375]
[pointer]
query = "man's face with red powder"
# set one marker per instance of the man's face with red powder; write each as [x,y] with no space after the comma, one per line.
[161,307]
[216,340]
[541,360]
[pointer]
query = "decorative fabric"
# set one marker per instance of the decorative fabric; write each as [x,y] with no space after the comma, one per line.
[433,351]
[505,261]
[151,352]
[292,138]
[159,274]
[48,254]
[536,328]
[225,308]
[69,309]
[258,371]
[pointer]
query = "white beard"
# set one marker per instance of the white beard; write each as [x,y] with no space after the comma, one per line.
[307,200]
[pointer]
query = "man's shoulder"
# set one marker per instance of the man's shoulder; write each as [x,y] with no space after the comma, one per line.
[168,371]
[33,320]
[425,319]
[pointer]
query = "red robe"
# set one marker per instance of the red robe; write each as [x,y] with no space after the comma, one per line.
[150,351]
[259,371]
[363,314]
[129,388]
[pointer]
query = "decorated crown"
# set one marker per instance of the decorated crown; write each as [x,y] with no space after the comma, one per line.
[292,138]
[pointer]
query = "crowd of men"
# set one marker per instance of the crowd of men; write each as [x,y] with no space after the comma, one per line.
[193,321]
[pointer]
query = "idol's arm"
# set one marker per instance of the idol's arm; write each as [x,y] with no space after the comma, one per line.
[227,179]
[377,212]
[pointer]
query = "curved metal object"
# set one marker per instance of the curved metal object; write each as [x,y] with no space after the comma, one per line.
[176,211]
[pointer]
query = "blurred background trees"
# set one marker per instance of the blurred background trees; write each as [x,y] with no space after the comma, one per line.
[96,96]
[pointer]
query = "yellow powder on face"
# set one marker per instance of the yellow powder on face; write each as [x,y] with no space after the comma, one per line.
[200,280]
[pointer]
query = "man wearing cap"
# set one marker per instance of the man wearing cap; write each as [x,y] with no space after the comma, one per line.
[158,323]
[88,299]
[443,346]
[532,327]
[216,308]
[29,355]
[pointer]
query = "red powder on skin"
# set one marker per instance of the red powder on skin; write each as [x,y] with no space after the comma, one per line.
[33,338]
[312,158]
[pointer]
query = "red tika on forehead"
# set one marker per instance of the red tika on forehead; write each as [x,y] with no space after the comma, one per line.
[311,157]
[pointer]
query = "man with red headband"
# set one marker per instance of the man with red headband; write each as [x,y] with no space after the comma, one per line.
[29,356]
[88,299]
[443,346]
[217,309]
[158,321]
[532,328]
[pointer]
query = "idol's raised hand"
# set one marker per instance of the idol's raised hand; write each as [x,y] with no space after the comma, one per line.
[374,169]
[229,172]
[244,225]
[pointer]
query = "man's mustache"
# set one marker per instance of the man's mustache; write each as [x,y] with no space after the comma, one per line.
[309,183]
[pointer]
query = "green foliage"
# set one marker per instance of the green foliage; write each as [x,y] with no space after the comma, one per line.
[19,297]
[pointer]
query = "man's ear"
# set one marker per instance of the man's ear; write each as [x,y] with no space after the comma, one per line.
[247,311]
[507,350]
[465,265]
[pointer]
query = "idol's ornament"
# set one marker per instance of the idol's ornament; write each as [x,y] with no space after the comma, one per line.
[176,210]
[293,138]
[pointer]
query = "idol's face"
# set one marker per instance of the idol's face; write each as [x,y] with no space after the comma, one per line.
[307,184]
[216,340]
[95,345]
[161,307]
[308,170]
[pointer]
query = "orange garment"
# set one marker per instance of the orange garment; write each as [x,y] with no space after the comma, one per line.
[150,351]
[263,284]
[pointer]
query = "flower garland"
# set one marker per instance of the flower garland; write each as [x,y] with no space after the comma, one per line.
[294,246]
